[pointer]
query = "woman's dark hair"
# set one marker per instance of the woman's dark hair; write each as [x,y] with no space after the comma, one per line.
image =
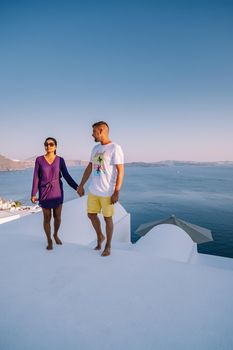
[53,139]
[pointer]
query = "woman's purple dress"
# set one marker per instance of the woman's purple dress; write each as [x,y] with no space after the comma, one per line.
[47,179]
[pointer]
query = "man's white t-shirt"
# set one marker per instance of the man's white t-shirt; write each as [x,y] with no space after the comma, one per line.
[104,173]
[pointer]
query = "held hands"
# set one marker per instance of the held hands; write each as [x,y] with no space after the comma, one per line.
[80,191]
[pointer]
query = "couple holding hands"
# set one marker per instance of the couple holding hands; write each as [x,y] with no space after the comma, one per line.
[106,168]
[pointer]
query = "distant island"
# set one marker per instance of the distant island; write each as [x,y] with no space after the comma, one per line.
[7,164]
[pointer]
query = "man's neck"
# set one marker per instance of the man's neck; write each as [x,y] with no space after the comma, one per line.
[105,142]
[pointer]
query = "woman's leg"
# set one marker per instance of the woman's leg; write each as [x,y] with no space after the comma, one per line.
[47,227]
[57,223]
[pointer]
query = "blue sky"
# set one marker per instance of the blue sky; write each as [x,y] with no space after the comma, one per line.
[159,72]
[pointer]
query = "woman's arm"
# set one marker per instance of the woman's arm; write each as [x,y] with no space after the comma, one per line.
[67,176]
[35,182]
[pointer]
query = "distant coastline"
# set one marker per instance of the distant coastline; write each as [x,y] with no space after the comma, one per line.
[178,163]
[7,164]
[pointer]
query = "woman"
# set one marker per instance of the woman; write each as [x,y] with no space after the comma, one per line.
[48,171]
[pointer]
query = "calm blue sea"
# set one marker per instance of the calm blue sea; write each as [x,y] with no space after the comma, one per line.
[199,194]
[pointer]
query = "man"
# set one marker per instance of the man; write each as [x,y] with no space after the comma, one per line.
[107,169]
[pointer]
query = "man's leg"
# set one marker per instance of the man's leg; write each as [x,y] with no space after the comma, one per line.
[57,223]
[96,224]
[93,208]
[47,228]
[109,232]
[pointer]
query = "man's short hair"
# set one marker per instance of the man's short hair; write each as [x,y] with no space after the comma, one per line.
[99,124]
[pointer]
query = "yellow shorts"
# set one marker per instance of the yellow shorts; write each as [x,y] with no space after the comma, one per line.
[96,203]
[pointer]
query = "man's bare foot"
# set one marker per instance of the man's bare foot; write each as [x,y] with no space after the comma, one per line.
[99,242]
[106,252]
[57,239]
[50,245]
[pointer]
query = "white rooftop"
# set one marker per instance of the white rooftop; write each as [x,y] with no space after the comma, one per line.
[140,297]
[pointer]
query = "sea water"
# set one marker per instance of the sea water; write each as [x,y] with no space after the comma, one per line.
[202,195]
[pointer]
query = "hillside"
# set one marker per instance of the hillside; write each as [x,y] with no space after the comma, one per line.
[7,164]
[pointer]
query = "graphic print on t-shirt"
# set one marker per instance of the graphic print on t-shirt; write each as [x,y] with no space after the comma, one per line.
[98,164]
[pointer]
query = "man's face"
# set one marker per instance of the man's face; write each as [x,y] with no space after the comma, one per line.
[97,134]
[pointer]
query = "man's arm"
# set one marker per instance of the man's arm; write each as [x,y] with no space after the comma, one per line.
[119,182]
[85,177]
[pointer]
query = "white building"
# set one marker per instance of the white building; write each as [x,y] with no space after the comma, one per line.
[156,294]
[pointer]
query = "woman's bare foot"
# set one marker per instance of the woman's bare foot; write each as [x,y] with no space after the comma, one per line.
[50,245]
[57,239]
[100,239]
[106,252]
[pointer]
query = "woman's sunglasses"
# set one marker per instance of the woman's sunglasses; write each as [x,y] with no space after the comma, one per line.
[51,144]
